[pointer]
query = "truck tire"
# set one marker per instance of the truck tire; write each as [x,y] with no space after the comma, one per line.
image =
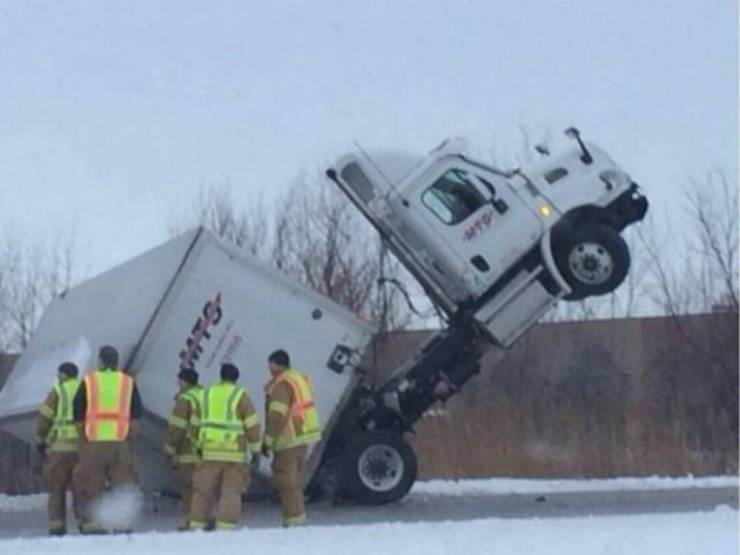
[593,258]
[378,467]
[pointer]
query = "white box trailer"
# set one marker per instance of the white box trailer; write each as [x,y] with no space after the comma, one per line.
[194,301]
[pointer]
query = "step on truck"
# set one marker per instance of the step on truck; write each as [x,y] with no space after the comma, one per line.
[493,250]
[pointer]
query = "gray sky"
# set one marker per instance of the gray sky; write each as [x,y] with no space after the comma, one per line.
[114,113]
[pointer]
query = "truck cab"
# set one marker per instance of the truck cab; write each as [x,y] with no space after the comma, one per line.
[501,245]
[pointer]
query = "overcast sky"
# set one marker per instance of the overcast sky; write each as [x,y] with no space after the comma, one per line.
[112,114]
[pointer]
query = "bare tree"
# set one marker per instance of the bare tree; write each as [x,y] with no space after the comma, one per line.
[703,277]
[321,241]
[703,274]
[31,275]
[216,209]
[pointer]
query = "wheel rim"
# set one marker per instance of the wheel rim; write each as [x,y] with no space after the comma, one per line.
[380,468]
[591,263]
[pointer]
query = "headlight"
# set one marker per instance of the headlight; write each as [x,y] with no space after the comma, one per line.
[615,179]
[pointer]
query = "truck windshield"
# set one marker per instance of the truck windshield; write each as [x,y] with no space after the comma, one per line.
[453,197]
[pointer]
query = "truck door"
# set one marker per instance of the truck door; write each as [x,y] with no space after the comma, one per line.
[476,218]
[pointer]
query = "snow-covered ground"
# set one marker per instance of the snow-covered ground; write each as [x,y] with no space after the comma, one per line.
[495,486]
[714,533]
[491,486]
[712,530]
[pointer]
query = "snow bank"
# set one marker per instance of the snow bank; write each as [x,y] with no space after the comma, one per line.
[713,533]
[22,503]
[495,486]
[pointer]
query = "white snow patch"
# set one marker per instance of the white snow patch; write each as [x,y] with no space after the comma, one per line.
[710,533]
[118,509]
[493,486]
[22,503]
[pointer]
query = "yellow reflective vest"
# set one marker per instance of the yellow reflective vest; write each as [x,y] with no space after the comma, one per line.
[63,436]
[226,418]
[108,415]
[298,422]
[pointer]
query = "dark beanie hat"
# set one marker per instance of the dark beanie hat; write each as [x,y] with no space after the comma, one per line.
[108,356]
[229,372]
[69,369]
[280,357]
[188,375]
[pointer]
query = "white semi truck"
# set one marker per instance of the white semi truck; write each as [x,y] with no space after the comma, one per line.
[493,250]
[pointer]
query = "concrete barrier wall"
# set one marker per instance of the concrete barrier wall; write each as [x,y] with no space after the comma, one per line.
[595,399]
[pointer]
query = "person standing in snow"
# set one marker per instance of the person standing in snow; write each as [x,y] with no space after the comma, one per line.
[292,425]
[104,409]
[57,440]
[228,431]
[181,441]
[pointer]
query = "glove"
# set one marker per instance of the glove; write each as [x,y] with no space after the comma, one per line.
[254,464]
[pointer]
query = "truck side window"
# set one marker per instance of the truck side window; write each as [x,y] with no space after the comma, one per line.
[453,197]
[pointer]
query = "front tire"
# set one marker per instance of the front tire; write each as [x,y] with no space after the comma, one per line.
[378,467]
[593,258]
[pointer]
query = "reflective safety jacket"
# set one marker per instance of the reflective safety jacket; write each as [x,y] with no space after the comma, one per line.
[228,426]
[292,418]
[108,414]
[55,426]
[181,442]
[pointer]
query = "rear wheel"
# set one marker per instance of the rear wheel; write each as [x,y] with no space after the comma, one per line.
[378,467]
[593,258]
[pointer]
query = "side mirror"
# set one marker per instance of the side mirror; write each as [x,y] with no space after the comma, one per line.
[499,204]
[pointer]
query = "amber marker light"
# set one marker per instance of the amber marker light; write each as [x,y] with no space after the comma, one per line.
[544,210]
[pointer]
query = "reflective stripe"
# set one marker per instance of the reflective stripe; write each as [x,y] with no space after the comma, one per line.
[280,408]
[62,447]
[222,426]
[217,455]
[178,422]
[221,525]
[90,527]
[197,524]
[46,411]
[295,520]
[188,459]
[230,403]
[251,421]
[169,449]
[269,440]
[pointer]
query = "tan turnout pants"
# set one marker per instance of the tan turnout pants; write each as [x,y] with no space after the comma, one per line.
[57,476]
[287,478]
[101,462]
[222,482]
[184,475]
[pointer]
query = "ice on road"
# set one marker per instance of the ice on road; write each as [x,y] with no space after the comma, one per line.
[709,533]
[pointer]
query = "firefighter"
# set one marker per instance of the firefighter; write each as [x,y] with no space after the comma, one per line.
[57,441]
[180,442]
[228,431]
[104,408]
[292,424]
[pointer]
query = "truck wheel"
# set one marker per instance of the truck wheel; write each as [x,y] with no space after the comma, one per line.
[379,467]
[593,259]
